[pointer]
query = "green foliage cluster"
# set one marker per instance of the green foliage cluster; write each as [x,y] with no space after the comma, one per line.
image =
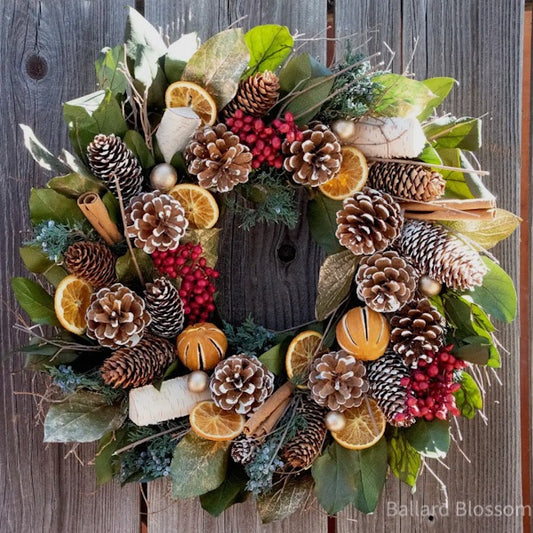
[249,337]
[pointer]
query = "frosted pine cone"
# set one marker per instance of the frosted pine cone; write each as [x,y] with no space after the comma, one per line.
[164,304]
[91,261]
[244,448]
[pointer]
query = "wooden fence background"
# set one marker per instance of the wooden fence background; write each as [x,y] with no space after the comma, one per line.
[47,49]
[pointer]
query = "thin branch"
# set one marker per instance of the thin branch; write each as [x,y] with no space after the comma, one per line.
[179,434]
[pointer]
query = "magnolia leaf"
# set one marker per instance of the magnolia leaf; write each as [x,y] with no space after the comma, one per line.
[40,154]
[149,75]
[269,46]
[274,359]
[306,105]
[107,465]
[404,460]
[299,69]
[218,65]
[113,208]
[282,503]
[125,267]
[74,185]
[35,301]
[135,142]
[451,132]
[487,233]
[231,491]
[76,164]
[82,417]
[178,53]
[440,87]
[322,218]
[41,354]
[47,204]
[431,439]
[334,282]
[474,352]
[468,398]
[107,70]
[208,238]
[198,466]
[36,261]
[139,32]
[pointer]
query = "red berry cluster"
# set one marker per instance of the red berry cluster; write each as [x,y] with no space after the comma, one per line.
[264,141]
[197,287]
[431,386]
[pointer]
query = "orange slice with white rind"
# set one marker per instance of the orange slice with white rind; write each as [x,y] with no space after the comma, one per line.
[188,94]
[71,300]
[214,423]
[300,354]
[201,208]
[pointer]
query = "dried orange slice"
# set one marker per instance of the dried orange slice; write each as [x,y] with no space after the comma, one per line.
[188,94]
[351,177]
[201,209]
[300,354]
[365,425]
[213,423]
[72,297]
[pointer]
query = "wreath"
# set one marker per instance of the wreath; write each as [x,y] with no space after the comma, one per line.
[126,235]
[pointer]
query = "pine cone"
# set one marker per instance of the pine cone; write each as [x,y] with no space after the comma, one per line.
[442,256]
[165,307]
[91,261]
[109,157]
[256,95]
[116,317]
[385,281]
[139,365]
[384,377]
[337,381]
[413,182]
[241,384]
[368,222]
[155,221]
[218,159]
[417,328]
[244,448]
[315,159]
[301,451]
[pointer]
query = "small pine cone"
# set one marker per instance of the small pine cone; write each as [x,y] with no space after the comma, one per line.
[91,261]
[116,317]
[384,377]
[241,384]
[434,251]
[368,222]
[109,157]
[139,365]
[315,159]
[301,451]
[244,448]
[417,328]
[165,307]
[410,181]
[337,381]
[218,159]
[385,281]
[156,221]
[256,95]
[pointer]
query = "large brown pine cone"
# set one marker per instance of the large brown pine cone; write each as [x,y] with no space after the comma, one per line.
[256,95]
[368,222]
[218,159]
[155,221]
[436,252]
[241,384]
[139,365]
[417,328]
[165,306]
[409,181]
[116,317]
[315,159]
[337,381]
[385,281]
[91,261]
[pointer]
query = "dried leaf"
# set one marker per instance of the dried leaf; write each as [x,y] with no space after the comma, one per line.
[208,238]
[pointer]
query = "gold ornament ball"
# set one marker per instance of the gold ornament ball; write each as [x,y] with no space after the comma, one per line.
[197,381]
[343,129]
[163,177]
[428,286]
[335,421]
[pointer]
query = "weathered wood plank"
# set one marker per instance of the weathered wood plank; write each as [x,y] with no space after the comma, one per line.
[47,52]
[254,279]
[465,40]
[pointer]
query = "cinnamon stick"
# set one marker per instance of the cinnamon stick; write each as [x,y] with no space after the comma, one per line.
[470,204]
[452,214]
[268,425]
[96,213]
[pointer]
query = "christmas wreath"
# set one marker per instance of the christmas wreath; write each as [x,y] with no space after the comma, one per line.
[126,236]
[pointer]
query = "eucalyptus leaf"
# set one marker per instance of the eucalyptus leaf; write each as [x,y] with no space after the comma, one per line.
[125,267]
[208,238]
[135,142]
[82,417]
[36,261]
[334,282]
[231,491]
[431,439]
[108,72]
[468,398]
[451,132]
[198,466]
[74,185]
[35,301]
[440,87]
[322,218]
[47,204]
[178,53]
[404,460]
[269,46]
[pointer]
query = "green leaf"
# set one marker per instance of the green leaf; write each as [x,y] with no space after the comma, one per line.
[40,153]
[106,465]
[125,267]
[497,295]
[452,132]
[269,46]
[149,75]
[47,204]
[82,417]
[404,460]
[334,282]
[218,65]
[468,397]
[401,96]
[430,155]
[299,69]
[35,301]
[231,491]
[306,105]
[477,352]
[208,238]
[178,53]
[139,32]
[135,142]
[107,70]
[36,261]
[274,359]
[456,184]
[74,185]
[111,204]
[440,87]
[431,439]
[40,355]
[76,164]
[322,218]
[198,466]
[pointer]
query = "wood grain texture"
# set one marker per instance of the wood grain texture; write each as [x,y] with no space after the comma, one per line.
[47,51]
[477,43]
